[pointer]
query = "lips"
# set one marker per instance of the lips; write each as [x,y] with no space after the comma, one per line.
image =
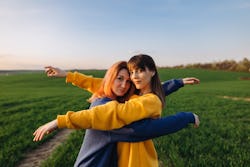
[137,82]
[122,91]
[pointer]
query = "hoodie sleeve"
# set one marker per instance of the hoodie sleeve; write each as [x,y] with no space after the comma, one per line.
[113,115]
[172,85]
[151,128]
[86,82]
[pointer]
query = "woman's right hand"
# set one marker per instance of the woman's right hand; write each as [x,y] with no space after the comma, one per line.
[190,81]
[45,129]
[55,72]
[197,121]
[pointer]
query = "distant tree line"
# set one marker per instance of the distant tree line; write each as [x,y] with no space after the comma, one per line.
[228,65]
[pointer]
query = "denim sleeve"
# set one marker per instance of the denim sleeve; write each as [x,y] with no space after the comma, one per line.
[151,128]
[172,85]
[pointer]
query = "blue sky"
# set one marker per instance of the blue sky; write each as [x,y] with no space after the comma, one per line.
[87,34]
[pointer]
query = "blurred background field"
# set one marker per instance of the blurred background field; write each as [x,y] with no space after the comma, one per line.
[30,99]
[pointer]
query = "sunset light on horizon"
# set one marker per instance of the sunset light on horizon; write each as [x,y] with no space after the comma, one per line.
[94,34]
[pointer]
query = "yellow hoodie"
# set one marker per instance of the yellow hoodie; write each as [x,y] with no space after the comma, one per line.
[114,115]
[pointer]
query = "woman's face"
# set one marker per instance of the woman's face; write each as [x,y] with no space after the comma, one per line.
[121,83]
[142,79]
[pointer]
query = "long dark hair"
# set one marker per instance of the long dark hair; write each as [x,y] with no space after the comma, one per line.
[142,61]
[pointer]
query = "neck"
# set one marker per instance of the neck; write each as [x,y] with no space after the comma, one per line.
[145,91]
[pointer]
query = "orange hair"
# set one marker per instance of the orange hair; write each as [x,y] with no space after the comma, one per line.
[106,87]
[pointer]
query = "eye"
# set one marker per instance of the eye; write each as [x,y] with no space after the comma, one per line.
[119,78]
[140,70]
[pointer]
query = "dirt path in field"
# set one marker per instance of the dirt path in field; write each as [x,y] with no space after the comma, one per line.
[35,157]
[236,98]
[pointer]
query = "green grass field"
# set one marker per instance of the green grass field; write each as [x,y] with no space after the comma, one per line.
[28,100]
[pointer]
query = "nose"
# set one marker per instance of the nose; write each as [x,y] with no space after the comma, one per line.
[123,85]
[133,75]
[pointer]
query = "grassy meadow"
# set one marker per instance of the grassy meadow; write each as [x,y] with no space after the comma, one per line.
[30,99]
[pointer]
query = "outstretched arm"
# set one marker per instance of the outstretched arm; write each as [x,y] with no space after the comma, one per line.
[152,128]
[109,116]
[83,81]
[138,131]
[173,85]
[113,115]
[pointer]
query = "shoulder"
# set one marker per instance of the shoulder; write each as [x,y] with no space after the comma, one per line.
[149,97]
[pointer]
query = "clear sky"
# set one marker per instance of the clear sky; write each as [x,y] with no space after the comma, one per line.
[87,34]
